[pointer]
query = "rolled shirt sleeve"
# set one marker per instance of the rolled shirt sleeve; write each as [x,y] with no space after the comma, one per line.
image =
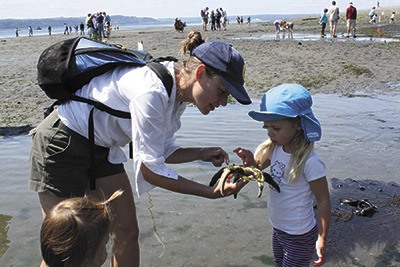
[154,121]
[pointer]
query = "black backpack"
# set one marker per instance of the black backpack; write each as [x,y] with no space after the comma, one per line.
[64,67]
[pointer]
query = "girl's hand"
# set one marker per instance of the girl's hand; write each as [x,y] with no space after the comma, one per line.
[246,156]
[320,248]
[216,155]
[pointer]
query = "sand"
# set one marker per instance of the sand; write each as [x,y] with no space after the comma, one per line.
[348,66]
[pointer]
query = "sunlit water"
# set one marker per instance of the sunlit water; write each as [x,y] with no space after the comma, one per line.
[300,36]
[361,140]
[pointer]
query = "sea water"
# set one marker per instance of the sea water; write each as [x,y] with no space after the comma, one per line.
[361,140]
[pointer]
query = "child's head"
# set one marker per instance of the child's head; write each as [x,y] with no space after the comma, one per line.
[75,232]
[325,10]
[287,110]
[289,101]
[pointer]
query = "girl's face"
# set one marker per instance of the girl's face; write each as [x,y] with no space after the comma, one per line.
[282,132]
[208,92]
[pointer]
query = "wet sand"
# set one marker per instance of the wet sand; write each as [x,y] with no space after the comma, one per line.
[341,65]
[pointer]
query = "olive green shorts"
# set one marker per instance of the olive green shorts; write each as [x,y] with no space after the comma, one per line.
[60,160]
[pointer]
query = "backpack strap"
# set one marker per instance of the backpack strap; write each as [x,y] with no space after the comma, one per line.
[162,73]
[92,151]
[102,107]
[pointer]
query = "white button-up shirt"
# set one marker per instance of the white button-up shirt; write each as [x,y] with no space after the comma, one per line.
[155,118]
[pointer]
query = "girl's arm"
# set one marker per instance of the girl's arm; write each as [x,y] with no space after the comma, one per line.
[321,192]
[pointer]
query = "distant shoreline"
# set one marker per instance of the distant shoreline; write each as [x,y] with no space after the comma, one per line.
[8,26]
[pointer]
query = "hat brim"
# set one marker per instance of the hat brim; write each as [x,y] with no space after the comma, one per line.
[310,125]
[267,116]
[237,91]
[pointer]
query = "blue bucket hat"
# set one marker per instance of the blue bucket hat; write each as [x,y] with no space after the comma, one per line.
[289,101]
[227,62]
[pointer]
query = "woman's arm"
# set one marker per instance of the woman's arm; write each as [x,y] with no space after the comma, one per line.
[216,155]
[321,192]
[185,186]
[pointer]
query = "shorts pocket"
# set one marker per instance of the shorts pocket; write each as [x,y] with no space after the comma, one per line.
[58,144]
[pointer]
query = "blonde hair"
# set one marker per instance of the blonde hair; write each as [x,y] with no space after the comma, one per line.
[74,230]
[301,150]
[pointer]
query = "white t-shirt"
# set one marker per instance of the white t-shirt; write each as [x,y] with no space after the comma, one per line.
[155,118]
[334,13]
[291,210]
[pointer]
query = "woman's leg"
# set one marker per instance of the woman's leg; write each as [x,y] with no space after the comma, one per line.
[124,227]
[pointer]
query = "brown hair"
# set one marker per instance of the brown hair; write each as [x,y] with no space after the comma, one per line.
[193,40]
[73,232]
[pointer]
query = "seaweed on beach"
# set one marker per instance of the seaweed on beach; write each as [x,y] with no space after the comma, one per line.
[349,230]
[357,70]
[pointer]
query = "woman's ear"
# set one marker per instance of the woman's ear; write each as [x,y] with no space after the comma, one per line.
[201,69]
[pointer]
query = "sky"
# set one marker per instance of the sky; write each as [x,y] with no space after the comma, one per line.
[23,9]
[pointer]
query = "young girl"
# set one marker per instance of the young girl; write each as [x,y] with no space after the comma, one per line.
[289,153]
[76,231]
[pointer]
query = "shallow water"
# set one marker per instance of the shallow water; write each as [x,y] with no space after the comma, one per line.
[300,36]
[361,140]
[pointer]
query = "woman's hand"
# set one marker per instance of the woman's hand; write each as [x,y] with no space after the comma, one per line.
[246,156]
[216,155]
[229,188]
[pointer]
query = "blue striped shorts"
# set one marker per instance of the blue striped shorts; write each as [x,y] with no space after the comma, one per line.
[294,250]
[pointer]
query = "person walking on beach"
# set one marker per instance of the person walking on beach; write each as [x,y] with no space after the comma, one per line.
[204,17]
[76,232]
[90,25]
[30,31]
[391,19]
[49,30]
[100,25]
[289,153]
[17,32]
[213,19]
[323,21]
[218,17]
[82,28]
[372,15]
[66,32]
[224,18]
[60,153]
[351,17]
[333,18]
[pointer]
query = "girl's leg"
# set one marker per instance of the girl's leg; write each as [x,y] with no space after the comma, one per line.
[277,249]
[299,249]
[124,227]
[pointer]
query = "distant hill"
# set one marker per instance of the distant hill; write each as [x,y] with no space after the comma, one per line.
[43,23]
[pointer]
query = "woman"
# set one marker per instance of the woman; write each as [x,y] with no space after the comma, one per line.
[60,155]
